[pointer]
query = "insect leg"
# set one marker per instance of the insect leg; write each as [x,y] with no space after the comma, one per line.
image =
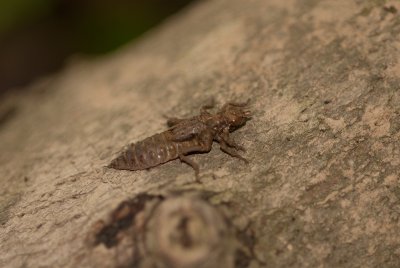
[209,105]
[191,163]
[224,136]
[172,121]
[228,150]
[231,143]
[235,104]
[202,145]
[240,104]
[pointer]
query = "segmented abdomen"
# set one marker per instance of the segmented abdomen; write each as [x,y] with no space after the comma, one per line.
[148,153]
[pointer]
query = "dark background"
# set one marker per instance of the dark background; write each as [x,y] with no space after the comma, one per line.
[37,36]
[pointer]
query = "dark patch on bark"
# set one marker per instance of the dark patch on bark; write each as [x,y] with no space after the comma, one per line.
[7,115]
[121,219]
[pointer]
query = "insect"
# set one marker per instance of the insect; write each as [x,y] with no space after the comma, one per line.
[185,137]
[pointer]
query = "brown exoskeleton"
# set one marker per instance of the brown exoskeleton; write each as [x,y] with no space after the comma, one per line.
[187,136]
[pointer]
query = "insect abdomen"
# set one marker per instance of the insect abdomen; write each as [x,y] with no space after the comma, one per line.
[147,153]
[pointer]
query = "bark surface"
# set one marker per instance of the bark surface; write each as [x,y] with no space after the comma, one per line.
[322,187]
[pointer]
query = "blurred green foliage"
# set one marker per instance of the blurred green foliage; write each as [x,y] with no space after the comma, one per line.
[106,26]
[16,12]
[92,26]
[36,36]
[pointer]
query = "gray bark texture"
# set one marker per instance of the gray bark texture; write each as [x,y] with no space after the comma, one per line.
[322,186]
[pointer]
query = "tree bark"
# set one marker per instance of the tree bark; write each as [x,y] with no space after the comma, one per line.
[321,189]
